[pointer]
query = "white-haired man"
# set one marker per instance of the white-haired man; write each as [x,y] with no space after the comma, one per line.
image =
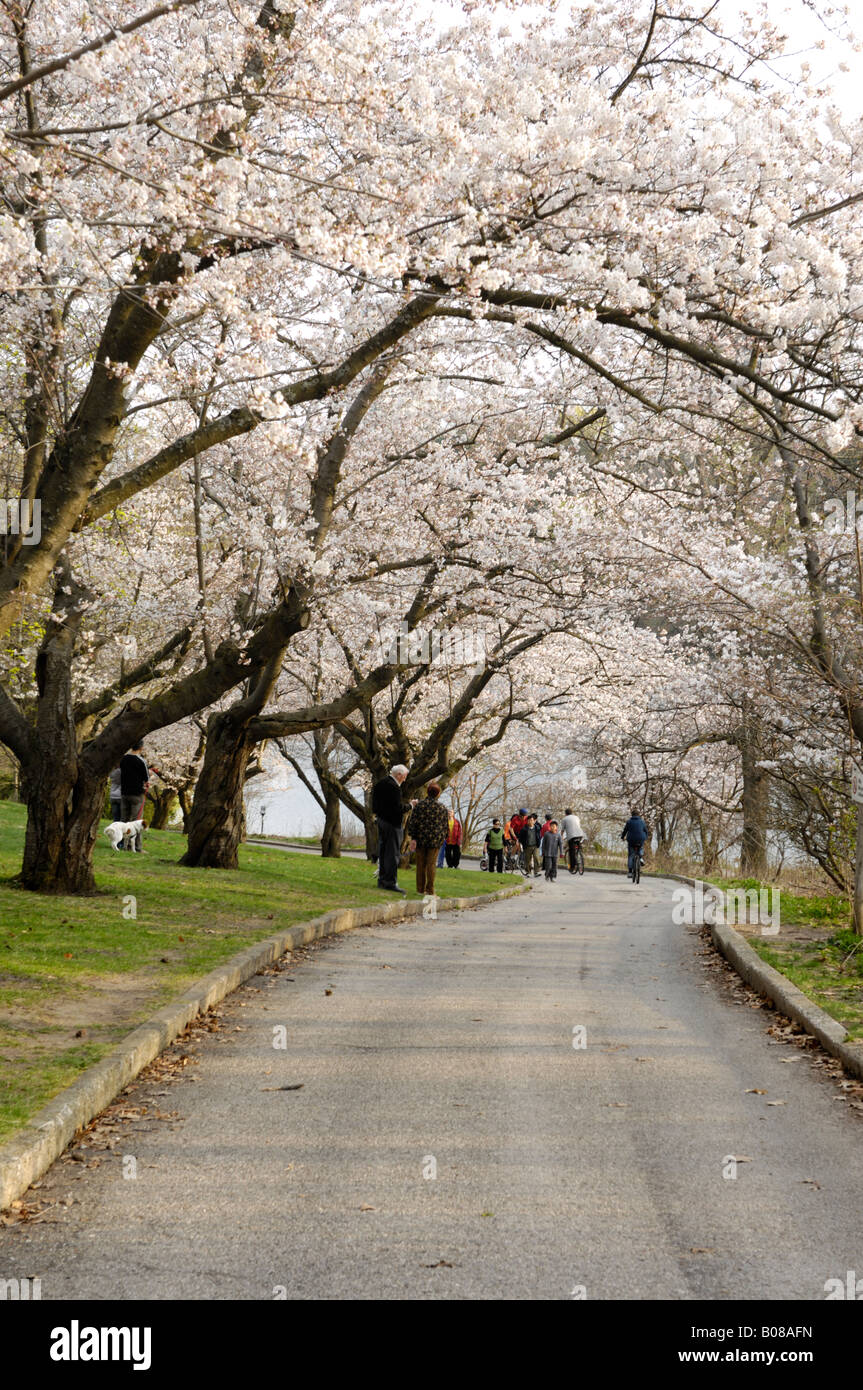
[389,812]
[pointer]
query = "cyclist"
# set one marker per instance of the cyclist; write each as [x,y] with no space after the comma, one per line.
[572,835]
[635,833]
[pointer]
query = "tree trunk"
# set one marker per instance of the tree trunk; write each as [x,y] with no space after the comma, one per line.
[64,797]
[370,829]
[857,897]
[756,805]
[162,802]
[216,819]
[331,840]
[62,823]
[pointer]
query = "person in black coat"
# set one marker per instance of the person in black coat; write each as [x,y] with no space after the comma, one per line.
[389,813]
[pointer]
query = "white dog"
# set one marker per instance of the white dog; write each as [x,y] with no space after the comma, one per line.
[123,832]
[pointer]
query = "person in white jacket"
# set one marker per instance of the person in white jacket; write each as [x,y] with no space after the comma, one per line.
[571,832]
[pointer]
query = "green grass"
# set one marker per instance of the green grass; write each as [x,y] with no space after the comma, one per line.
[819,953]
[830,972]
[826,911]
[76,975]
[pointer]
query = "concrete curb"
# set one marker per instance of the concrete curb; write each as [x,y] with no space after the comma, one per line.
[776,987]
[29,1154]
[771,983]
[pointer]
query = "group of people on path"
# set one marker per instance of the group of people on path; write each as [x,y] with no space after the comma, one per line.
[435,834]
[539,841]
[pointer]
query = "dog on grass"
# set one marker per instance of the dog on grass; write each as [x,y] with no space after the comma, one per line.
[123,832]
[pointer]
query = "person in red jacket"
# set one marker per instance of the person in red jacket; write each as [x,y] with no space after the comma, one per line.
[453,842]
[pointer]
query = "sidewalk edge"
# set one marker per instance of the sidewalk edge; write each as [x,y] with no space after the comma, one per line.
[32,1150]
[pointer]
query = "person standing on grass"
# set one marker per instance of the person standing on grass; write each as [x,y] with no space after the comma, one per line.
[116,795]
[529,838]
[134,781]
[552,848]
[571,833]
[494,847]
[389,813]
[427,827]
[453,841]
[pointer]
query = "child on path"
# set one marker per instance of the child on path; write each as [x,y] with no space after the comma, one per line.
[552,848]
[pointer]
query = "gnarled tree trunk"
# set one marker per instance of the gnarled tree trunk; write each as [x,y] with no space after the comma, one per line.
[162,803]
[217,815]
[331,840]
[63,796]
[61,829]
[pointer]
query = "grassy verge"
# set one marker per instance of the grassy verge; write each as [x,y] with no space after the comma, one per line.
[77,974]
[816,950]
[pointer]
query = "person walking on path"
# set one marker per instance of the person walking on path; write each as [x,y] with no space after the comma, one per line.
[494,847]
[453,841]
[552,848]
[116,795]
[571,832]
[389,813]
[636,834]
[543,830]
[427,828]
[134,781]
[529,838]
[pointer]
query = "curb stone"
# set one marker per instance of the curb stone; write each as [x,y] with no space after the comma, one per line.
[771,983]
[32,1150]
[776,987]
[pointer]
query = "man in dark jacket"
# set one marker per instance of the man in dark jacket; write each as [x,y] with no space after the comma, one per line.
[529,836]
[134,781]
[427,827]
[635,833]
[389,812]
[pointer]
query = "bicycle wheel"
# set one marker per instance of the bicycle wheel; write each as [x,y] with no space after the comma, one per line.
[579,861]
[636,869]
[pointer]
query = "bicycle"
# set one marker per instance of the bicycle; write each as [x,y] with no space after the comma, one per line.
[634,871]
[511,861]
[578,857]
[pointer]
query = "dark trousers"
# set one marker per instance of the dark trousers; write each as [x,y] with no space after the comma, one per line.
[426,867]
[132,808]
[116,808]
[453,855]
[633,851]
[571,846]
[531,859]
[550,865]
[495,861]
[389,852]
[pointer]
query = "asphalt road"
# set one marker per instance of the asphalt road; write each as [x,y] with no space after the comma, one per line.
[449,1141]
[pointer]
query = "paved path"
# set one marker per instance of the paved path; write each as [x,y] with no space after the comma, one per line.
[556,1167]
